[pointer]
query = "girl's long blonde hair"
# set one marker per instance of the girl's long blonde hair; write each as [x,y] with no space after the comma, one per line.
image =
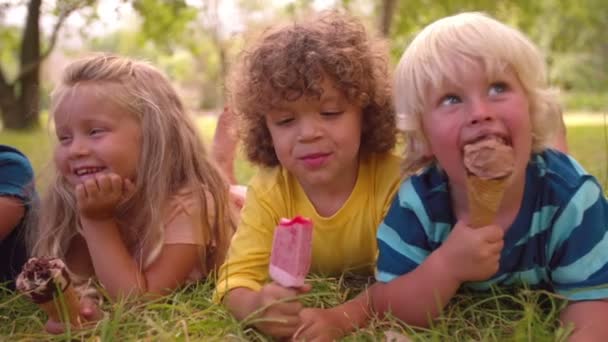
[172,158]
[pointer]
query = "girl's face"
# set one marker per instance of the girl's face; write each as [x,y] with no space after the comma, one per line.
[95,136]
[318,140]
[477,107]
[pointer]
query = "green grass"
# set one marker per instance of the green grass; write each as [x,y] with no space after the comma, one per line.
[189,314]
[588,143]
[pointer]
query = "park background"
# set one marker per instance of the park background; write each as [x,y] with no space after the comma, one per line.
[195,42]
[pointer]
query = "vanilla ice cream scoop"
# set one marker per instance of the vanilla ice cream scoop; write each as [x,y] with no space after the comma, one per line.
[489,159]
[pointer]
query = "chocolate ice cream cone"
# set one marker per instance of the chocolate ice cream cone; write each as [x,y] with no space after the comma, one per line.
[484,196]
[47,283]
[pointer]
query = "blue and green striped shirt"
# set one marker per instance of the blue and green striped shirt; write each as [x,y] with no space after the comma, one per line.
[558,240]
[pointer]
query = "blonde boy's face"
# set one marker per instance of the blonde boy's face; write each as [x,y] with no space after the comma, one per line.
[318,140]
[473,108]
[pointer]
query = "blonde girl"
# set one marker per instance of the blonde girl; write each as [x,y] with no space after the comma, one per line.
[135,201]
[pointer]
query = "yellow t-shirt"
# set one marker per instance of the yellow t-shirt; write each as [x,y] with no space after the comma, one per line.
[343,242]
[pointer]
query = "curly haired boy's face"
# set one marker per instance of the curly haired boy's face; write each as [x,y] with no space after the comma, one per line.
[476,108]
[318,140]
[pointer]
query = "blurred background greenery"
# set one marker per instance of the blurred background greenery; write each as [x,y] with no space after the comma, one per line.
[195,41]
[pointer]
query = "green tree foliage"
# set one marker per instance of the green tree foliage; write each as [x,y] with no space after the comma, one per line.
[164,22]
[570,33]
[20,79]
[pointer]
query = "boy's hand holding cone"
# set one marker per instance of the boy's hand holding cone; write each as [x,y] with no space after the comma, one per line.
[47,282]
[489,163]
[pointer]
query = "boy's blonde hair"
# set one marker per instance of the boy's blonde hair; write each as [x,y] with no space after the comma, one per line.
[448,46]
[290,61]
[172,158]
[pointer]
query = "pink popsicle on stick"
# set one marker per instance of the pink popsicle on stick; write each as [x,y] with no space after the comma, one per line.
[291,251]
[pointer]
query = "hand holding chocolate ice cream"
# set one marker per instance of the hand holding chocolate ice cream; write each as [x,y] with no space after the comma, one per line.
[47,282]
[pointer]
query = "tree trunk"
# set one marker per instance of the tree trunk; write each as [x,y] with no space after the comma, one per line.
[386,16]
[20,102]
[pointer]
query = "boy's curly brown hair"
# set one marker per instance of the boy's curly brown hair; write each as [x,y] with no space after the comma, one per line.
[288,62]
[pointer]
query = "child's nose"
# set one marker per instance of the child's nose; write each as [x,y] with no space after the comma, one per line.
[78,147]
[480,111]
[309,129]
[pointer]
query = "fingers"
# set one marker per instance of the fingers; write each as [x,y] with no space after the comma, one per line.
[317,331]
[278,325]
[53,327]
[281,314]
[105,184]
[128,187]
[304,288]
[90,187]
[89,309]
[275,291]
[98,197]
[496,247]
[492,233]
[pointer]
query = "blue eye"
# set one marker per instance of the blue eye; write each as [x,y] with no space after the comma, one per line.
[96,131]
[497,88]
[449,99]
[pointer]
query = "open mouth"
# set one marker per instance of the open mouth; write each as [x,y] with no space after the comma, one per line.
[490,137]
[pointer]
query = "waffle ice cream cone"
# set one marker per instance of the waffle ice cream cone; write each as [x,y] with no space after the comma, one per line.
[489,164]
[47,283]
[484,196]
[69,304]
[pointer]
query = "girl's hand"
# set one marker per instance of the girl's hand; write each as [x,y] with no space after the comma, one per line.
[279,318]
[89,313]
[97,198]
[472,254]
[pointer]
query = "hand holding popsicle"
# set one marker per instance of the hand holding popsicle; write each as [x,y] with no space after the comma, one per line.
[288,267]
[280,317]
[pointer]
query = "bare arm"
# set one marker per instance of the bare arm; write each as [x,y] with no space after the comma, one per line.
[589,319]
[119,272]
[419,296]
[11,211]
[113,264]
